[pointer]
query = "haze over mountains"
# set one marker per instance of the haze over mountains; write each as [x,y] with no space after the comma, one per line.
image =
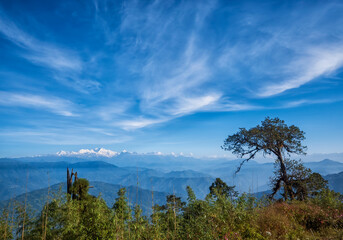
[151,172]
[37,198]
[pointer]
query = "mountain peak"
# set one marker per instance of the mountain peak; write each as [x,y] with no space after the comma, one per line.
[99,152]
[327,161]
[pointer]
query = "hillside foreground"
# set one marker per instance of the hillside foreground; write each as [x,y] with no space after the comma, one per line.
[223,214]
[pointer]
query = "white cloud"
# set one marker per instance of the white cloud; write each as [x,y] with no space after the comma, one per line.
[318,62]
[106,132]
[140,123]
[113,110]
[170,80]
[40,53]
[53,104]
[302,102]
[75,82]
[182,106]
[186,105]
[66,65]
[278,51]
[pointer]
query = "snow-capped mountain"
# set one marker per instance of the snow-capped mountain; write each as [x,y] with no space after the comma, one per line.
[169,161]
[102,152]
[97,152]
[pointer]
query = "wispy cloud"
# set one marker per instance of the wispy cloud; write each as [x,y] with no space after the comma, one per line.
[260,63]
[56,136]
[226,105]
[114,110]
[169,78]
[53,104]
[141,122]
[73,81]
[185,106]
[303,102]
[66,64]
[188,105]
[176,78]
[278,51]
[39,52]
[317,63]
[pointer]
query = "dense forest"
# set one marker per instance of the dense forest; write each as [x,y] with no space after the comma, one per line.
[300,205]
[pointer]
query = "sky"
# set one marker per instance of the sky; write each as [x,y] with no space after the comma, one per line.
[167,76]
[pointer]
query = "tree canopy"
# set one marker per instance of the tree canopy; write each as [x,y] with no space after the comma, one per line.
[220,189]
[272,137]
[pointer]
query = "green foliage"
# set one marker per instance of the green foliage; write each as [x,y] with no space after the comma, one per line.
[5,226]
[191,195]
[223,214]
[122,215]
[196,220]
[220,189]
[315,184]
[328,198]
[167,218]
[303,183]
[121,207]
[139,224]
[80,189]
[272,137]
[24,220]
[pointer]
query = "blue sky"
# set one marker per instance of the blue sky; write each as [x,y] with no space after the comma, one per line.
[169,76]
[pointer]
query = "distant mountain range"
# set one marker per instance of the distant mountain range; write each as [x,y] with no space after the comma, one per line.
[17,177]
[153,160]
[152,171]
[335,181]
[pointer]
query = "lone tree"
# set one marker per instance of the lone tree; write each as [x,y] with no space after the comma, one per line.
[272,137]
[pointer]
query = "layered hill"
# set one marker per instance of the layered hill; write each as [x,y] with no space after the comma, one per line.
[335,181]
[145,198]
[17,177]
[165,173]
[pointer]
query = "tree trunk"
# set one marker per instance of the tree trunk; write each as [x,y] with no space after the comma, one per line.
[69,180]
[284,176]
[74,196]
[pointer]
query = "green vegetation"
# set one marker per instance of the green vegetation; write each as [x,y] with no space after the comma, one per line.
[272,137]
[223,214]
[307,208]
